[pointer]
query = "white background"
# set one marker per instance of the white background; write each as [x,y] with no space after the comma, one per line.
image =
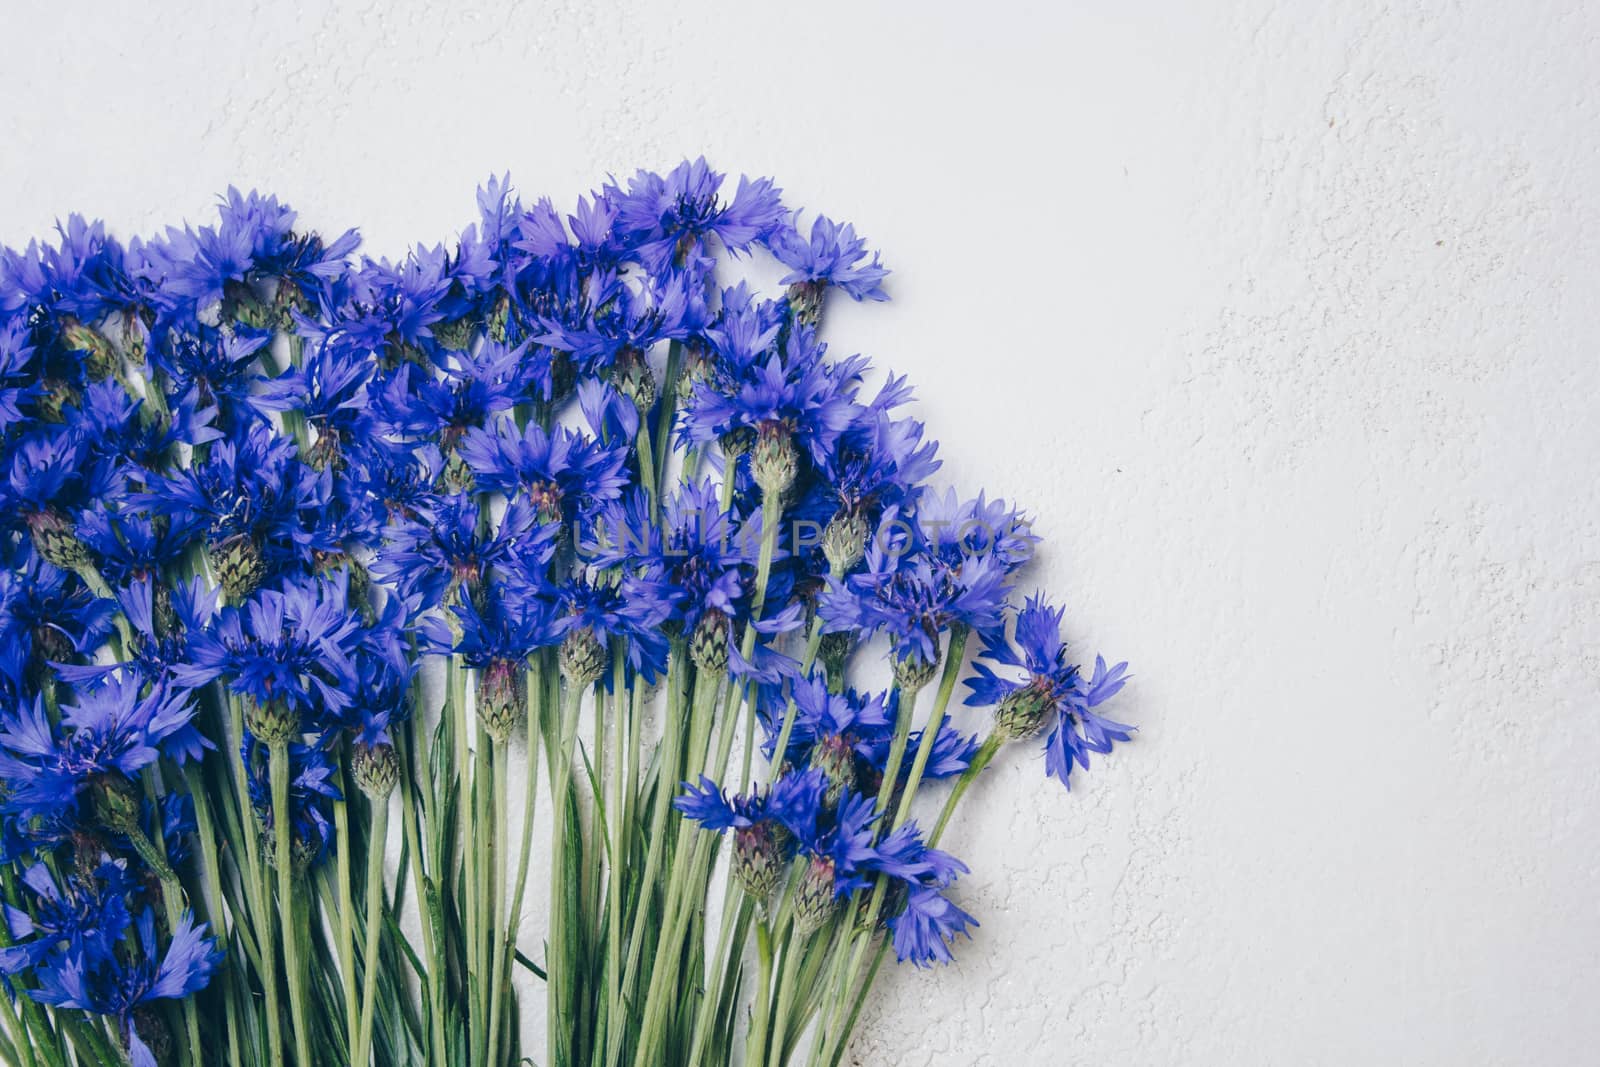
[1281,317]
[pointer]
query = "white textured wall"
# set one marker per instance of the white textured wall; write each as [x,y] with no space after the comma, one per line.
[1282,318]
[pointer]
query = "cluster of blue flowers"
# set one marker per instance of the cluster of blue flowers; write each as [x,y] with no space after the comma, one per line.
[253,482]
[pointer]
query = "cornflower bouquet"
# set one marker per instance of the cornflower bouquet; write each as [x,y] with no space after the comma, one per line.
[329,581]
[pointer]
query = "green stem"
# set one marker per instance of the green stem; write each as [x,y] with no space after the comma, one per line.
[346,919]
[986,754]
[514,919]
[369,981]
[618,865]
[756,1044]
[279,769]
[426,896]
[787,981]
[930,732]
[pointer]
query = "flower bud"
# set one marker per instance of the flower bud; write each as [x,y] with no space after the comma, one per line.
[376,769]
[55,538]
[99,358]
[834,653]
[241,304]
[455,334]
[758,858]
[912,672]
[502,703]
[708,646]
[805,300]
[836,759]
[737,441]
[301,851]
[1023,711]
[116,803]
[633,378]
[844,541]
[237,562]
[773,461]
[583,658]
[815,899]
[273,722]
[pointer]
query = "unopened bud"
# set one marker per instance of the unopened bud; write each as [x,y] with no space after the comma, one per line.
[116,803]
[583,658]
[502,702]
[238,564]
[54,398]
[758,858]
[55,538]
[456,334]
[912,672]
[805,300]
[773,461]
[708,646]
[844,542]
[499,315]
[273,722]
[633,378]
[99,358]
[376,769]
[815,901]
[836,759]
[1023,711]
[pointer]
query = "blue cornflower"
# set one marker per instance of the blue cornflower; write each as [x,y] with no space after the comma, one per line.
[566,475]
[442,554]
[287,652]
[45,617]
[629,611]
[130,545]
[90,914]
[760,821]
[1053,687]
[209,367]
[258,502]
[106,738]
[913,596]
[790,405]
[831,256]
[927,922]
[115,987]
[668,219]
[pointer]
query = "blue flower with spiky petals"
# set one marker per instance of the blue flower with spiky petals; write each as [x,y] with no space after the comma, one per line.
[832,255]
[668,219]
[1053,688]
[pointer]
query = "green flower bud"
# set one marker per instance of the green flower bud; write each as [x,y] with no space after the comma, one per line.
[55,538]
[273,722]
[55,397]
[834,757]
[708,646]
[237,562]
[1022,712]
[773,460]
[758,858]
[844,541]
[582,657]
[815,900]
[99,358]
[633,378]
[805,300]
[456,334]
[736,442]
[116,804]
[376,769]
[502,703]
[912,672]
[241,304]
[499,315]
